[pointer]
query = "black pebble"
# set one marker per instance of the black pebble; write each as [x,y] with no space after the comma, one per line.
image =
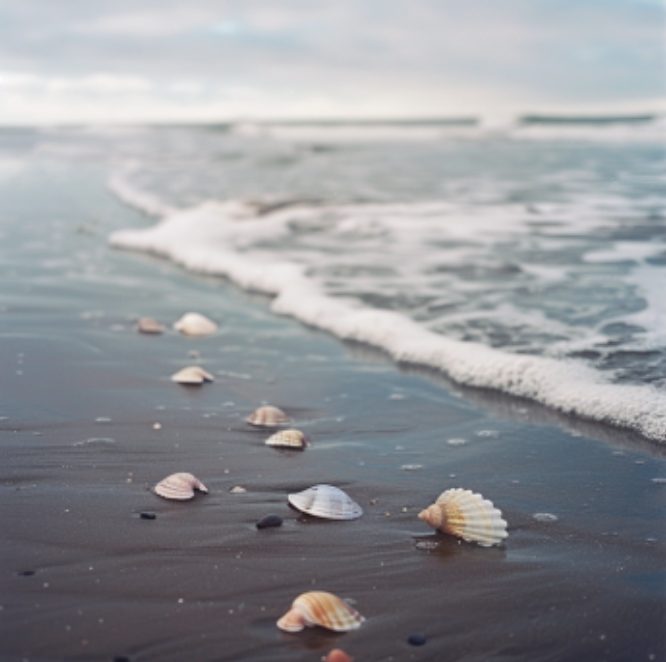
[148,516]
[121,658]
[416,639]
[26,573]
[268,521]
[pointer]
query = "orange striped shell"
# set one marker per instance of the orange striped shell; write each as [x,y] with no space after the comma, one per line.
[466,515]
[319,608]
[267,417]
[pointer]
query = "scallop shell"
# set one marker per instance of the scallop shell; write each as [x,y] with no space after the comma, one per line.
[267,417]
[466,515]
[194,324]
[323,609]
[327,502]
[192,375]
[179,486]
[293,439]
[149,325]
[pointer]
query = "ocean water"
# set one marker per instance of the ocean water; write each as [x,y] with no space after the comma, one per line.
[528,257]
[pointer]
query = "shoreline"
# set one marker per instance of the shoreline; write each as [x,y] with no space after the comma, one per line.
[200,581]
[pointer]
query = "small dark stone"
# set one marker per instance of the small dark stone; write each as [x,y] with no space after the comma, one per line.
[416,639]
[148,516]
[268,521]
[121,658]
[26,573]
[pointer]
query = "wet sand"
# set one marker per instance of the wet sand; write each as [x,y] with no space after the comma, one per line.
[84,577]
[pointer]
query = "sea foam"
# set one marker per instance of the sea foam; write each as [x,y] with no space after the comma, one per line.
[216,238]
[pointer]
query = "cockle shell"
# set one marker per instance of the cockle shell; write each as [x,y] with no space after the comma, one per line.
[267,417]
[179,486]
[194,324]
[192,375]
[149,325]
[337,655]
[293,439]
[327,502]
[466,515]
[323,609]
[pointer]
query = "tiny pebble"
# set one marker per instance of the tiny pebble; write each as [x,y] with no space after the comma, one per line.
[411,467]
[237,489]
[416,639]
[148,516]
[26,573]
[269,521]
[121,658]
[157,426]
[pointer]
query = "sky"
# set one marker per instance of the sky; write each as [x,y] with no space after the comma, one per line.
[216,60]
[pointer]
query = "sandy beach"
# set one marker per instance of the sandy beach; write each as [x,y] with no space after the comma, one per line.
[90,422]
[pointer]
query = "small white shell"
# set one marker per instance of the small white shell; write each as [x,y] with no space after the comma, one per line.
[466,515]
[192,375]
[326,501]
[179,486]
[323,609]
[267,417]
[293,439]
[194,324]
[149,325]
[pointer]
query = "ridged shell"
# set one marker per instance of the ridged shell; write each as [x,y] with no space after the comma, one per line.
[192,375]
[323,609]
[327,502]
[267,417]
[467,515]
[149,325]
[194,324]
[293,439]
[179,486]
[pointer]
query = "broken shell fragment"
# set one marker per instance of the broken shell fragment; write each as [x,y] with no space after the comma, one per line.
[267,417]
[467,515]
[323,609]
[149,325]
[293,439]
[327,502]
[193,375]
[194,324]
[179,486]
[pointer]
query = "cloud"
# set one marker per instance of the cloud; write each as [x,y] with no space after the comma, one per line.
[387,57]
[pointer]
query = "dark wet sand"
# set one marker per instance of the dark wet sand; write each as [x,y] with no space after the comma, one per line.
[83,577]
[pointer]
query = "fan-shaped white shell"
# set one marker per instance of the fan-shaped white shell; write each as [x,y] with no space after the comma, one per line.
[267,416]
[179,486]
[193,374]
[195,324]
[323,609]
[467,515]
[294,439]
[149,325]
[326,501]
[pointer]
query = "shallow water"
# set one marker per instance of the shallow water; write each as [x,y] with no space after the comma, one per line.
[200,582]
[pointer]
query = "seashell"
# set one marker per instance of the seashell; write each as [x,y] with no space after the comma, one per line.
[323,609]
[466,515]
[194,324]
[327,502]
[293,439]
[192,375]
[337,655]
[149,325]
[179,486]
[267,417]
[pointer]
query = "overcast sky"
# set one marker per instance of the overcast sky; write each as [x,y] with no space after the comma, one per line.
[217,59]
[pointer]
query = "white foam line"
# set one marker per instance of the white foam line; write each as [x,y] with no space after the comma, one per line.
[191,238]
